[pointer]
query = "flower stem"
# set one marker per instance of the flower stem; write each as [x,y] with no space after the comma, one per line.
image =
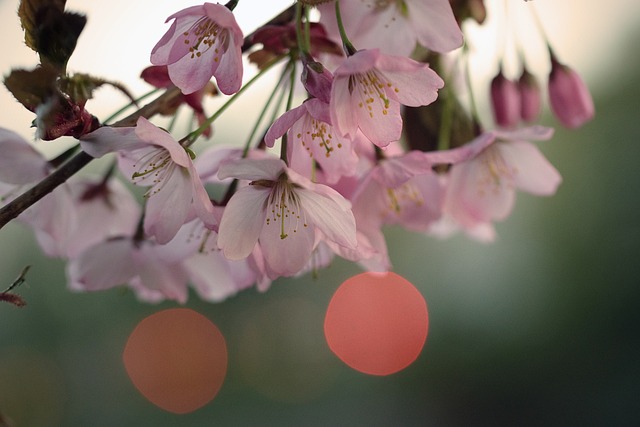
[231,4]
[302,45]
[252,135]
[292,84]
[140,98]
[346,44]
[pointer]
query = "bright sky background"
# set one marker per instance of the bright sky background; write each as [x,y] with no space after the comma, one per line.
[120,34]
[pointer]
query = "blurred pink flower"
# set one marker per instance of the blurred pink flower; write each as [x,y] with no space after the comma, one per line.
[158,272]
[396,26]
[482,189]
[203,41]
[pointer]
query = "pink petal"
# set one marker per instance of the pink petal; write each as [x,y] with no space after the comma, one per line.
[533,172]
[435,25]
[283,124]
[335,222]
[229,72]
[153,135]
[343,112]
[90,272]
[412,83]
[242,221]
[20,163]
[214,278]
[286,256]
[156,274]
[109,139]
[252,169]
[168,207]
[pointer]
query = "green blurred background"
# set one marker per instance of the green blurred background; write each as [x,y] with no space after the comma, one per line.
[539,328]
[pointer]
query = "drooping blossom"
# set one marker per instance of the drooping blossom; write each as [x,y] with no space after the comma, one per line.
[505,101]
[203,41]
[482,189]
[284,213]
[395,26]
[569,96]
[316,79]
[368,89]
[311,137]
[151,157]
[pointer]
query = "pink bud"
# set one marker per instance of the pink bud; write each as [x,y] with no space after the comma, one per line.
[570,99]
[316,79]
[530,97]
[505,101]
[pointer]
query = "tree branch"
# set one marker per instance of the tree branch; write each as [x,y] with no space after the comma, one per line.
[80,160]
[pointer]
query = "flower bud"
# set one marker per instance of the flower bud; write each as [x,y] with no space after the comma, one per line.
[316,79]
[505,101]
[530,97]
[570,99]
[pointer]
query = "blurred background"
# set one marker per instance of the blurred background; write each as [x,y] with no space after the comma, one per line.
[539,328]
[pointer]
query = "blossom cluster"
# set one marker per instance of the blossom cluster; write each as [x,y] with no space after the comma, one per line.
[326,177]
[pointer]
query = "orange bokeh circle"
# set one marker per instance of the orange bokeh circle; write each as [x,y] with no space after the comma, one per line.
[377,323]
[177,359]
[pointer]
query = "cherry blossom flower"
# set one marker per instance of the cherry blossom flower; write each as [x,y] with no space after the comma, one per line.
[400,189]
[395,26]
[203,41]
[368,89]
[151,157]
[482,189]
[312,138]
[282,212]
